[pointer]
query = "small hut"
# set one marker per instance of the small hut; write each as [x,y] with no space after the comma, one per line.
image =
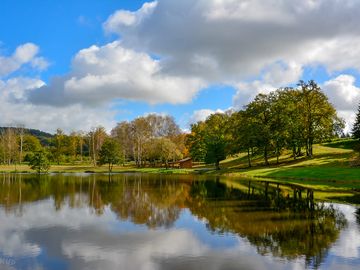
[185,163]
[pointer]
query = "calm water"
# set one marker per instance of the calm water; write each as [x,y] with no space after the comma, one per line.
[168,222]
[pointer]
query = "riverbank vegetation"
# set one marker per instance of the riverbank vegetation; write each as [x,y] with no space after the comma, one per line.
[292,133]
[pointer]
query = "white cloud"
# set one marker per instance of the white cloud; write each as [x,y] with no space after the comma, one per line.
[169,50]
[15,109]
[345,96]
[275,76]
[101,74]
[342,92]
[241,38]
[24,54]
[201,115]
[252,45]
[127,18]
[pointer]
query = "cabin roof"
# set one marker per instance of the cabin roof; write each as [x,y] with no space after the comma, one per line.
[185,159]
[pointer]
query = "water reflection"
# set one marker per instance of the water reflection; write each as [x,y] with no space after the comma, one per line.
[163,222]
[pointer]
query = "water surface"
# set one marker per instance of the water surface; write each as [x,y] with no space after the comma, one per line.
[135,221]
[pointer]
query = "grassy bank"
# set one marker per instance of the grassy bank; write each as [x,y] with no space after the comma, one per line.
[329,171]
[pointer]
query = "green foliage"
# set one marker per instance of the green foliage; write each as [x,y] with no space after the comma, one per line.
[195,141]
[216,138]
[31,143]
[39,162]
[110,153]
[162,149]
[208,140]
[356,127]
[289,118]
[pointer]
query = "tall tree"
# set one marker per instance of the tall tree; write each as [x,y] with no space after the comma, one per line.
[260,113]
[318,115]
[96,139]
[215,138]
[195,141]
[123,134]
[141,132]
[59,145]
[243,134]
[356,126]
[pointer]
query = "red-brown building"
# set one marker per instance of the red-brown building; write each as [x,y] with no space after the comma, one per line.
[185,163]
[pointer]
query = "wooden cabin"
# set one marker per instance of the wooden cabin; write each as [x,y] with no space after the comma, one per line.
[185,163]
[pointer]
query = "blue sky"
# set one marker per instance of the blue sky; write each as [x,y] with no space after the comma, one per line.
[79,64]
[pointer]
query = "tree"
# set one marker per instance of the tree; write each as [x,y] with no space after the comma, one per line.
[242,133]
[31,143]
[215,138]
[260,113]
[39,162]
[96,137]
[110,153]
[9,146]
[167,150]
[141,132]
[123,135]
[356,127]
[58,145]
[318,115]
[195,141]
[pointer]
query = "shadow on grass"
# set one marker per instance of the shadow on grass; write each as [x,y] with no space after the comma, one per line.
[343,144]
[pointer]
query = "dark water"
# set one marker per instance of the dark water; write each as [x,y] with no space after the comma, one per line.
[168,222]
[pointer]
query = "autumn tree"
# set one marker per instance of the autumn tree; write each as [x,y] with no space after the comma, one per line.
[96,138]
[140,132]
[122,133]
[9,146]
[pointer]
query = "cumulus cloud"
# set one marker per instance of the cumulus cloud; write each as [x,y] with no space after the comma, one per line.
[127,18]
[221,40]
[24,54]
[275,76]
[101,74]
[345,96]
[342,92]
[201,115]
[15,109]
[167,51]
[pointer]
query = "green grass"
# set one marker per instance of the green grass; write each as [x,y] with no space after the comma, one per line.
[329,168]
[81,168]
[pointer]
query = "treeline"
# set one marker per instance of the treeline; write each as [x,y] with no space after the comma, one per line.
[150,140]
[287,119]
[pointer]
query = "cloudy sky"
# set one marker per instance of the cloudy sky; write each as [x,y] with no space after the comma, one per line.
[78,64]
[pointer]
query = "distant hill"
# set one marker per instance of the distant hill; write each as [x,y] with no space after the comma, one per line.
[41,135]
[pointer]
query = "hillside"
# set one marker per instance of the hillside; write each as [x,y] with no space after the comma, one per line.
[41,135]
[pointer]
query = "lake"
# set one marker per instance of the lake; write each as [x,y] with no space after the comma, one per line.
[140,221]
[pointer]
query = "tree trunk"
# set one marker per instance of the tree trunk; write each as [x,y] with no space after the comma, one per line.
[266,155]
[249,157]
[217,165]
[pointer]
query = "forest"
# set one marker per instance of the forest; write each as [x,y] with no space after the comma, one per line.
[291,119]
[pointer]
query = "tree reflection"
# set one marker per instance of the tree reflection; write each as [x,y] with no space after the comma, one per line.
[289,230]
[271,221]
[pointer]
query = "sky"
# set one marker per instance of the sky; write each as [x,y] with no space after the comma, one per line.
[79,64]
